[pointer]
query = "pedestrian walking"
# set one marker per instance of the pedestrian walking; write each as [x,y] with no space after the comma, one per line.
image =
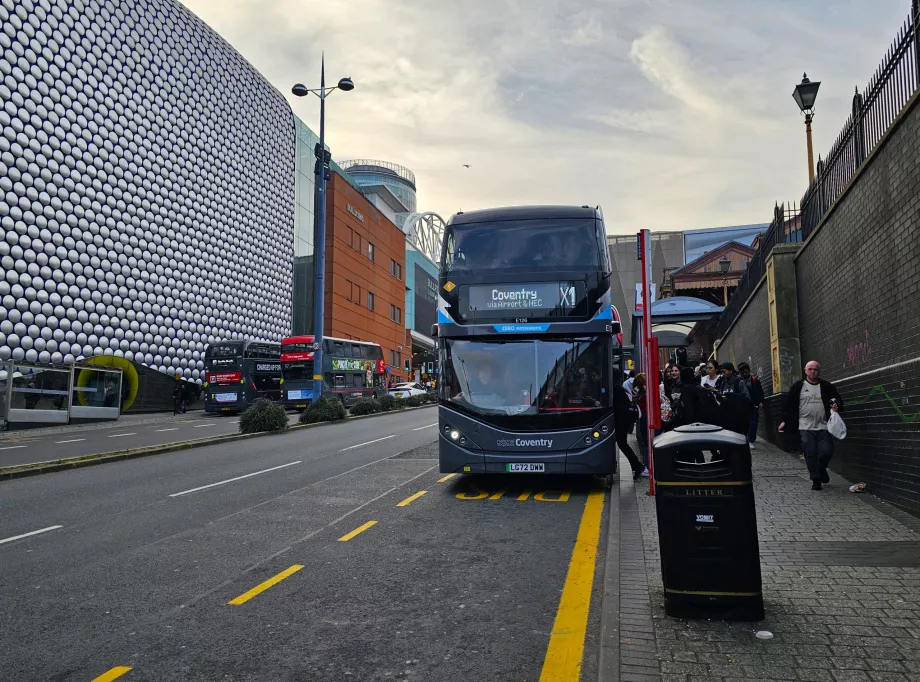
[638,395]
[755,389]
[808,406]
[734,399]
[624,414]
[710,375]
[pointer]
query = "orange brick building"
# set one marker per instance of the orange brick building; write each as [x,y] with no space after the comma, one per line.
[365,274]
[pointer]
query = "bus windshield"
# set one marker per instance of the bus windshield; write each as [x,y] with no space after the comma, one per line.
[525,384]
[223,356]
[562,244]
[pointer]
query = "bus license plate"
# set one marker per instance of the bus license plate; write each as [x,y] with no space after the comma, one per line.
[518,467]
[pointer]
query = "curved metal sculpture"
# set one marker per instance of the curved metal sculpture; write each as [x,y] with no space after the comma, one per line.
[425,231]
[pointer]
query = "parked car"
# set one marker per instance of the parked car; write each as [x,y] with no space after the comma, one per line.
[406,390]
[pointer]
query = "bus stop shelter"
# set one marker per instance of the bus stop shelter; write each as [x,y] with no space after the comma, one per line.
[674,322]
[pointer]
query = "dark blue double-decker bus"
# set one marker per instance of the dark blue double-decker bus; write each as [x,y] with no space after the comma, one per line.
[239,371]
[526,340]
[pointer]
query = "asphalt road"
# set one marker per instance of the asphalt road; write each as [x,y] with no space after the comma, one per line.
[460,582]
[30,447]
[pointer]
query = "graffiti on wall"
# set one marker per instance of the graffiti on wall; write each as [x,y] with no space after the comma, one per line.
[897,405]
[858,353]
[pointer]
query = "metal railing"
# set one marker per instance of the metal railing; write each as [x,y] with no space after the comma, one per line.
[874,111]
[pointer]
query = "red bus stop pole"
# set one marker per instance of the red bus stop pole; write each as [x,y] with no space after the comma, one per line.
[652,409]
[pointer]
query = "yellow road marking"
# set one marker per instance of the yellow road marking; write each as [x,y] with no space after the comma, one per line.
[259,589]
[446,478]
[412,498]
[498,495]
[567,642]
[357,531]
[564,496]
[475,494]
[524,496]
[112,674]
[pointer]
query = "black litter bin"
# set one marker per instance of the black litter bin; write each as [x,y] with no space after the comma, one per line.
[707,525]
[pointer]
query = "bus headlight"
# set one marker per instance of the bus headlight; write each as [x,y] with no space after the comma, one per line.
[455,435]
[605,429]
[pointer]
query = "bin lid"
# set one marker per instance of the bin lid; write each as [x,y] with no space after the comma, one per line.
[699,434]
[698,427]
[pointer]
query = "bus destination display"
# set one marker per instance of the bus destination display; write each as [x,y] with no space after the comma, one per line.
[533,299]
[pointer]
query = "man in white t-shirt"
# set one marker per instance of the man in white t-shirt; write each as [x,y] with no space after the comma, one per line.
[808,406]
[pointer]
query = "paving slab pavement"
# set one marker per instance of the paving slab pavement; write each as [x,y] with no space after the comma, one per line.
[841,585]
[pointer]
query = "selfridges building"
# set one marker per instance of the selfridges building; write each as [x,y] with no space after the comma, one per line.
[146,186]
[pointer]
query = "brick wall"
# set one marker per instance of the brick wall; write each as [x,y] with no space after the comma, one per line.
[858,282]
[749,339]
[351,275]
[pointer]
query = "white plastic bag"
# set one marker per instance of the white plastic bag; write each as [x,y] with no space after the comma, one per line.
[836,427]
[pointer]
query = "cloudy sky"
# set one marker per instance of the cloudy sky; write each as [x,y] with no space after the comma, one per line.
[670,114]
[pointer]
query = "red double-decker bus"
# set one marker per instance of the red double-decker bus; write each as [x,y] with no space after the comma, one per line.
[351,370]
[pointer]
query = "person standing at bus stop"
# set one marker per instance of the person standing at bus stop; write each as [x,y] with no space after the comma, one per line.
[624,414]
[757,398]
[639,389]
[808,406]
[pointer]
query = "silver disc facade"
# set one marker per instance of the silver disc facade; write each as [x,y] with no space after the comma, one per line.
[146,186]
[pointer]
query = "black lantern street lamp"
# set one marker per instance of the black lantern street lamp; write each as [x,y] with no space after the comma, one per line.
[804,95]
[724,266]
[322,174]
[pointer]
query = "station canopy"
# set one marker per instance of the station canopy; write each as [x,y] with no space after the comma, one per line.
[674,319]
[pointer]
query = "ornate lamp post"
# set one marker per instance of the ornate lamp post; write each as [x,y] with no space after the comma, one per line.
[804,95]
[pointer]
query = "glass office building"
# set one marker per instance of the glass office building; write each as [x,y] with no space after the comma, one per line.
[398,179]
[699,242]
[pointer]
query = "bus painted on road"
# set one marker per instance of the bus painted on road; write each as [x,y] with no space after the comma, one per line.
[526,339]
[239,371]
[351,370]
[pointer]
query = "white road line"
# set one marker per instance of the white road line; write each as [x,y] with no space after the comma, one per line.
[424,427]
[73,440]
[352,447]
[119,435]
[238,478]
[176,428]
[25,535]
[201,426]
[12,447]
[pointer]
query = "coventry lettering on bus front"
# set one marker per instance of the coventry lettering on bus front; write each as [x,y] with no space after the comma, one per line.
[525,338]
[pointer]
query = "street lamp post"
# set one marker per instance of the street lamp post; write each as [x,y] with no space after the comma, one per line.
[804,95]
[724,266]
[322,173]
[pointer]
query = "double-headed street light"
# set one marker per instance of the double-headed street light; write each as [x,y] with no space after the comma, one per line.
[322,174]
[804,95]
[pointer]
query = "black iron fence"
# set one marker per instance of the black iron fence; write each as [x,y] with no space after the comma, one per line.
[874,110]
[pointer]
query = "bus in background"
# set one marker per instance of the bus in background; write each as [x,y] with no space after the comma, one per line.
[526,340]
[352,370]
[239,371]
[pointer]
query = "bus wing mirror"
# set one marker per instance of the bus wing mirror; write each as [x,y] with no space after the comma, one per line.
[434,330]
